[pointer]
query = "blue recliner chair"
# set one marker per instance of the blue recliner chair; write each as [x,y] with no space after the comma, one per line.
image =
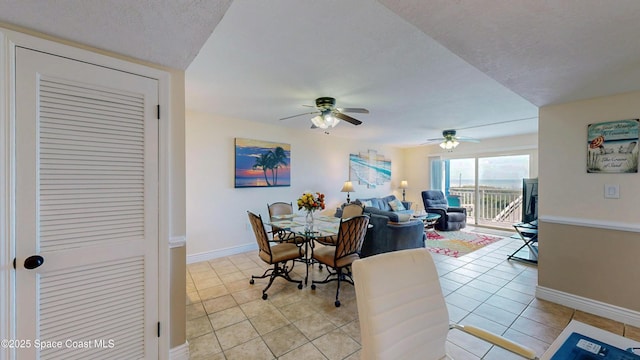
[451,217]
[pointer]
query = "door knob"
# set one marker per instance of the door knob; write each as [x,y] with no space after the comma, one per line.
[33,262]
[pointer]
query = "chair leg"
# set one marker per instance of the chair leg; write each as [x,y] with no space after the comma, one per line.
[337,303]
[277,271]
[337,275]
[271,278]
[264,275]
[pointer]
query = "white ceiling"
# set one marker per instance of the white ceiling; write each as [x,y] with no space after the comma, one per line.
[165,32]
[419,66]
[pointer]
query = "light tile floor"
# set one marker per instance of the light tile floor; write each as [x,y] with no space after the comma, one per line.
[227,319]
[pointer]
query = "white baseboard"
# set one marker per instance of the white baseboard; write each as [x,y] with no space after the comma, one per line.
[214,254]
[180,352]
[595,307]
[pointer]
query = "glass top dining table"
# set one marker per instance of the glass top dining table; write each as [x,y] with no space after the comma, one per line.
[323,226]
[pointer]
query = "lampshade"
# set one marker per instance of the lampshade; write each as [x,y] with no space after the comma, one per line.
[325,120]
[404,184]
[347,187]
[319,122]
[449,144]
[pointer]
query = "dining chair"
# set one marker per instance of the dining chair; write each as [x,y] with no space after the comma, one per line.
[276,255]
[279,234]
[339,257]
[402,311]
[279,208]
[349,211]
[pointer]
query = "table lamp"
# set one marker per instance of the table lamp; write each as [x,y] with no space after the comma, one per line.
[347,187]
[403,186]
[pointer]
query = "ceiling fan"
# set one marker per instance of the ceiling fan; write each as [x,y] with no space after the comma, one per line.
[449,140]
[328,115]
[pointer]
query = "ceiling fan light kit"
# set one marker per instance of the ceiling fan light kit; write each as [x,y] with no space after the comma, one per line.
[449,144]
[329,116]
[325,120]
[449,140]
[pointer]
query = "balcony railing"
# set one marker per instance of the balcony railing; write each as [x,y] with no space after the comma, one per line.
[497,207]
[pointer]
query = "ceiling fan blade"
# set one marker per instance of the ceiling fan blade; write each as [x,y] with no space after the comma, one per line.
[354,110]
[347,118]
[467,139]
[431,141]
[292,116]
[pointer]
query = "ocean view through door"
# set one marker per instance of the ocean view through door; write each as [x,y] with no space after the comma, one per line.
[490,188]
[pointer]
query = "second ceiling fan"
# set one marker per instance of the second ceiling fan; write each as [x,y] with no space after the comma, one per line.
[328,115]
[450,140]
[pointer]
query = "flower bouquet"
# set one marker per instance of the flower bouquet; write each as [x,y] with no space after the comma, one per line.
[310,203]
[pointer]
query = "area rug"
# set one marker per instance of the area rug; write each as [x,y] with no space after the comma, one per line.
[457,243]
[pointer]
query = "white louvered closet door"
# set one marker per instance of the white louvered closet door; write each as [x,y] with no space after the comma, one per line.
[87,203]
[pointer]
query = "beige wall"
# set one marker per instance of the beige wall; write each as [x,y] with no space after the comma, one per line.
[217,212]
[598,264]
[177,287]
[177,217]
[577,254]
[416,165]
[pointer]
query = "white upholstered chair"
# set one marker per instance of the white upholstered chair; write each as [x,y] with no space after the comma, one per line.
[402,311]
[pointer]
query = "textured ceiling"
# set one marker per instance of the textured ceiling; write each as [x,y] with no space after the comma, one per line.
[419,66]
[165,32]
[266,59]
[546,51]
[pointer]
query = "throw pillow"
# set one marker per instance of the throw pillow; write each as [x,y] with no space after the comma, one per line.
[367,203]
[404,217]
[396,205]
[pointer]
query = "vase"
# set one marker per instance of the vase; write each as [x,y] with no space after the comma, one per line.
[309,221]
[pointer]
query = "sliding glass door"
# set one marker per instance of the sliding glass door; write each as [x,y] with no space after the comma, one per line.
[490,188]
[460,184]
[500,189]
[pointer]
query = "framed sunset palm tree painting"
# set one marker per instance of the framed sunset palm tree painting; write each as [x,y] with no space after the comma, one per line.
[262,163]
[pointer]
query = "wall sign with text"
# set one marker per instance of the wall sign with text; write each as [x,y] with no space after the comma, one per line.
[612,147]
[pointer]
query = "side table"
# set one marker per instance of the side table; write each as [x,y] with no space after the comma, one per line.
[429,220]
[627,348]
[528,232]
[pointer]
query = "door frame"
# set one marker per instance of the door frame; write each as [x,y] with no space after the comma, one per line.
[9,40]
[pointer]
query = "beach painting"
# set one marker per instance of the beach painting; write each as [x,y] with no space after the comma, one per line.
[369,169]
[612,147]
[262,163]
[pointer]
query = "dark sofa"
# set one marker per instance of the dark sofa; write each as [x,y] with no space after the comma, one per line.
[391,230]
[385,236]
[380,206]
